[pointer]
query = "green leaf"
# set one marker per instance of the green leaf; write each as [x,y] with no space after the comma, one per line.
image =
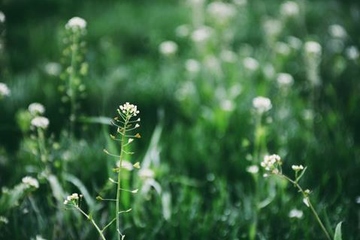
[338,234]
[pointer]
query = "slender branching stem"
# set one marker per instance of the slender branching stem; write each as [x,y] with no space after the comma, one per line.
[92,222]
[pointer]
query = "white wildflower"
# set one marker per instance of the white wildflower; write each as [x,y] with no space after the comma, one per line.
[182,31]
[220,11]
[201,34]
[337,31]
[146,173]
[251,63]
[289,9]
[40,122]
[129,109]
[168,48]
[297,167]
[30,181]
[2,17]
[352,53]
[295,213]
[270,162]
[52,68]
[72,197]
[4,90]
[192,66]
[252,169]
[36,109]
[261,104]
[76,23]
[284,80]
[312,47]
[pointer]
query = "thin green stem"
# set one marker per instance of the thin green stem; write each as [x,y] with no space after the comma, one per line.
[72,84]
[92,221]
[118,192]
[309,204]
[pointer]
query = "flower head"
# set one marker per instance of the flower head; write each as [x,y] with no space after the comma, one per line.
[76,23]
[289,9]
[36,109]
[4,90]
[2,17]
[271,162]
[71,198]
[32,182]
[168,48]
[128,109]
[284,80]
[312,47]
[261,104]
[40,122]
[295,213]
[297,168]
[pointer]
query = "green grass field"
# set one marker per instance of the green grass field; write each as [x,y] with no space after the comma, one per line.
[219,85]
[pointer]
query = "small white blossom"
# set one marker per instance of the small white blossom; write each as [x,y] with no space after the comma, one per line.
[289,9]
[306,201]
[297,167]
[192,66]
[272,27]
[129,109]
[220,11]
[261,104]
[270,162]
[284,80]
[352,53]
[201,34]
[30,181]
[72,197]
[36,109]
[337,31]
[40,122]
[2,17]
[52,68]
[146,173]
[76,23]
[168,48]
[182,31]
[295,213]
[252,169]
[251,63]
[312,47]
[4,90]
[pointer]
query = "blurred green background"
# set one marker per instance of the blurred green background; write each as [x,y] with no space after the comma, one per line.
[201,110]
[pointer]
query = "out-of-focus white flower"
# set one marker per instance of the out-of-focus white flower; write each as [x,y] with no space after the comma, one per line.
[312,47]
[294,42]
[297,167]
[251,63]
[352,53]
[128,109]
[282,48]
[39,237]
[40,122]
[289,9]
[220,11]
[192,66]
[201,34]
[272,27]
[52,68]
[270,162]
[168,48]
[337,31]
[227,105]
[284,80]
[295,213]
[146,173]
[72,197]
[36,109]
[4,90]
[2,17]
[228,56]
[182,31]
[30,181]
[76,23]
[252,169]
[261,104]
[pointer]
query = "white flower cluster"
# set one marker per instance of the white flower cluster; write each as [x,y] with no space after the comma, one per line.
[36,109]
[289,9]
[129,109]
[221,11]
[72,197]
[261,104]
[2,17]
[76,23]
[4,90]
[40,122]
[168,48]
[284,80]
[312,47]
[270,162]
[297,167]
[32,182]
